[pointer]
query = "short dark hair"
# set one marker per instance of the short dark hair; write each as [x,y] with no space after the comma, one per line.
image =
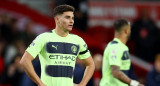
[118,24]
[62,8]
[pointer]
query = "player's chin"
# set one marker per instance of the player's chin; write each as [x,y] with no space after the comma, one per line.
[69,29]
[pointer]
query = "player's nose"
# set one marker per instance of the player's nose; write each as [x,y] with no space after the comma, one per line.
[71,21]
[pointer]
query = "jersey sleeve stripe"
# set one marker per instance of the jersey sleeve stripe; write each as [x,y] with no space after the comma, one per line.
[83,52]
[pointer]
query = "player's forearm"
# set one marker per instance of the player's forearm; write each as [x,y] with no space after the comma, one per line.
[28,67]
[122,77]
[88,74]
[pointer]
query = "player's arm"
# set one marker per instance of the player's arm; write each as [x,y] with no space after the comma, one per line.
[115,62]
[119,74]
[86,57]
[31,52]
[90,67]
[26,62]
[122,77]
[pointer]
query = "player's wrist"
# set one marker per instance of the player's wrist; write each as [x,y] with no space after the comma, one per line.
[134,83]
[82,84]
[39,83]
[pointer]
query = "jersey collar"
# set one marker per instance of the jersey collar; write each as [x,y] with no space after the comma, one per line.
[116,39]
[119,41]
[53,31]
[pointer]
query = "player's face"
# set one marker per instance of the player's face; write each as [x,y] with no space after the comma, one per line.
[66,21]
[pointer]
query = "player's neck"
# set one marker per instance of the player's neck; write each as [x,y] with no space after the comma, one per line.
[61,32]
[121,38]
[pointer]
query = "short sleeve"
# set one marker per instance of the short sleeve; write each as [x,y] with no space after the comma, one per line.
[36,46]
[115,55]
[84,52]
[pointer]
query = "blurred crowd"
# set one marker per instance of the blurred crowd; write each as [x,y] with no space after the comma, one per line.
[146,36]
[13,42]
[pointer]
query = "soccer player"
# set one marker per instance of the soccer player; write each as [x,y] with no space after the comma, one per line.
[57,52]
[116,61]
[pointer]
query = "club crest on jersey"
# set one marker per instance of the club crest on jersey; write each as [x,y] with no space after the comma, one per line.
[74,49]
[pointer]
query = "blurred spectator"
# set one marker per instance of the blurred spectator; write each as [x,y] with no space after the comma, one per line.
[59,2]
[1,22]
[98,66]
[79,72]
[12,50]
[153,77]
[5,27]
[1,58]
[15,33]
[9,29]
[81,13]
[28,35]
[145,36]
[15,72]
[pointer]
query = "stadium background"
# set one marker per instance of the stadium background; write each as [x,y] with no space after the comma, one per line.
[22,20]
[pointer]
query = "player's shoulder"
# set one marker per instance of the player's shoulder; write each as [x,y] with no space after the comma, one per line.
[76,36]
[114,44]
[44,34]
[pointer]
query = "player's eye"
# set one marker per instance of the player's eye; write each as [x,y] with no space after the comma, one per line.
[67,17]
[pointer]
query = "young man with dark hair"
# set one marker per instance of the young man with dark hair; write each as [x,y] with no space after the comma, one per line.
[116,62]
[57,52]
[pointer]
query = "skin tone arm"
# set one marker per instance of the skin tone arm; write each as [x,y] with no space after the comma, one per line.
[26,62]
[90,67]
[120,75]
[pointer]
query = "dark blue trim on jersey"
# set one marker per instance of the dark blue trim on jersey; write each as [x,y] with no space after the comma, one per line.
[125,72]
[83,52]
[62,48]
[125,55]
[49,31]
[59,71]
[114,42]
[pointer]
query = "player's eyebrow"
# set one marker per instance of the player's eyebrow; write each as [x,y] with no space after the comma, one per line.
[67,16]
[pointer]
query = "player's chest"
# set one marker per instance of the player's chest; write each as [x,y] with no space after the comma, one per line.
[62,46]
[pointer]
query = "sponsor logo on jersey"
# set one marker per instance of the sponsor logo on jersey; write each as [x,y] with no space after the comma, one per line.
[63,57]
[62,48]
[113,57]
[55,46]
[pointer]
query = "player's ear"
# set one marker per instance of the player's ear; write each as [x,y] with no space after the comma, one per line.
[126,30]
[56,18]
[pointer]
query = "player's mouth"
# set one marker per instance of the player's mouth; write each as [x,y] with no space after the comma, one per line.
[70,25]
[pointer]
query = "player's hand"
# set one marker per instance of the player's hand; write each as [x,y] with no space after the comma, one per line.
[140,85]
